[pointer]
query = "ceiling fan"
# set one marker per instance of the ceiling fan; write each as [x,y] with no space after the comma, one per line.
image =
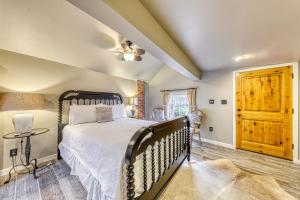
[130,51]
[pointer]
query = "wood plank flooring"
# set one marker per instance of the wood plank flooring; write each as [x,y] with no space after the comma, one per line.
[55,182]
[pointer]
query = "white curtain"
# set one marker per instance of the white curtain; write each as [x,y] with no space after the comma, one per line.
[191,95]
[166,99]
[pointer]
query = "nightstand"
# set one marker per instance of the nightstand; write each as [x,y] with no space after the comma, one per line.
[28,162]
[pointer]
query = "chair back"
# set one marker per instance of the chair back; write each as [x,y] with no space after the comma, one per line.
[158,114]
[196,116]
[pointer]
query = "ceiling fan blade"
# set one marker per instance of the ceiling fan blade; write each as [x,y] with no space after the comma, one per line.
[137,58]
[140,51]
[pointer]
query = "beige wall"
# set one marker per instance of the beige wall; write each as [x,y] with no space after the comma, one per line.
[1,141]
[28,74]
[215,85]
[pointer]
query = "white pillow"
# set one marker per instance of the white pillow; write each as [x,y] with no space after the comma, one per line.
[80,114]
[119,111]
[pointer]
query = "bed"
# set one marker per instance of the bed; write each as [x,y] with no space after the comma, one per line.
[123,159]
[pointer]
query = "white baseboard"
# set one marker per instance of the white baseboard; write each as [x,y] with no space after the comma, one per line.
[296,162]
[230,146]
[5,171]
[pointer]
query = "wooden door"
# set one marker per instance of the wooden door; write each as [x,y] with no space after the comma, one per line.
[264,111]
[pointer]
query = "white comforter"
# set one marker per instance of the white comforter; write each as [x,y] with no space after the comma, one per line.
[95,152]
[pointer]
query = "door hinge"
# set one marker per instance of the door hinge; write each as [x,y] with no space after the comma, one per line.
[292,110]
[292,146]
[292,75]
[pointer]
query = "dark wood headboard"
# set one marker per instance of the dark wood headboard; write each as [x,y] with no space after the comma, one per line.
[78,97]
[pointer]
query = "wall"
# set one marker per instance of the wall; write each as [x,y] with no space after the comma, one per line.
[1,141]
[28,74]
[147,114]
[215,85]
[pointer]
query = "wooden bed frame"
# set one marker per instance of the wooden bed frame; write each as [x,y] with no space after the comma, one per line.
[175,133]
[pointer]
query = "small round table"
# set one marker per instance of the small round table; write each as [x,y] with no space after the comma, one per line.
[28,162]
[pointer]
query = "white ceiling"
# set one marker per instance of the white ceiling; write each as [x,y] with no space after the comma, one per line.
[132,20]
[58,31]
[218,34]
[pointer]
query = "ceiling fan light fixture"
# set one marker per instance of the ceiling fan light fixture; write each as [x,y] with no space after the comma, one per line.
[128,57]
[130,52]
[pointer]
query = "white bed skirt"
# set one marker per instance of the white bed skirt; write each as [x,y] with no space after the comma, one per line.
[87,149]
[91,184]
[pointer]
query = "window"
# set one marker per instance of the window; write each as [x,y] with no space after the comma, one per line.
[178,104]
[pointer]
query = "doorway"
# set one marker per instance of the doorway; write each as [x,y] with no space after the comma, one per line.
[264,112]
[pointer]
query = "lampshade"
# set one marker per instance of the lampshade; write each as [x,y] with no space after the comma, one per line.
[133,101]
[130,101]
[21,101]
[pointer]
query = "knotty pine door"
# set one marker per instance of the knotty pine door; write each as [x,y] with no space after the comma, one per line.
[264,111]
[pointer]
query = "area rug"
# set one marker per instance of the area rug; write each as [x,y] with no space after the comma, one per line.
[221,180]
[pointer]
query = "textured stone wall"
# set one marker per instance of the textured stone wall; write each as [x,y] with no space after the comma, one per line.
[140,91]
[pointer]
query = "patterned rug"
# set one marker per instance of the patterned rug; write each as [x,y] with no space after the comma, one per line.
[54,183]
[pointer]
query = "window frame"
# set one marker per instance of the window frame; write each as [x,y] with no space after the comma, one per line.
[179,108]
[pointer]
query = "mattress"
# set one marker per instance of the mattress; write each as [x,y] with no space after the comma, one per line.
[95,152]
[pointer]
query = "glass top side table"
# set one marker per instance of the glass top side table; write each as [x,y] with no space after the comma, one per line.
[28,162]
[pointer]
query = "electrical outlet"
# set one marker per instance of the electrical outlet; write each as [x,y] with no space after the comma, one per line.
[211,129]
[13,152]
[211,101]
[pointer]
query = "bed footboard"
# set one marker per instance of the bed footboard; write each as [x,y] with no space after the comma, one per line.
[171,142]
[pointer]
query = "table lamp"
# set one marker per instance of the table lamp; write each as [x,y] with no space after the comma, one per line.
[19,102]
[133,103]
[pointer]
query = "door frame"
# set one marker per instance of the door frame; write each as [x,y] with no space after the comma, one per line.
[295,100]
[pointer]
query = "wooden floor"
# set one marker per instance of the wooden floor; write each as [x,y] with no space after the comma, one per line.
[286,173]
[55,181]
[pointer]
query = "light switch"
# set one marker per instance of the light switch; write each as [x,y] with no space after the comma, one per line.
[224,101]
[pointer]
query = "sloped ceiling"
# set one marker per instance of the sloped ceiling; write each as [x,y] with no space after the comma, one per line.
[130,18]
[220,34]
[58,31]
